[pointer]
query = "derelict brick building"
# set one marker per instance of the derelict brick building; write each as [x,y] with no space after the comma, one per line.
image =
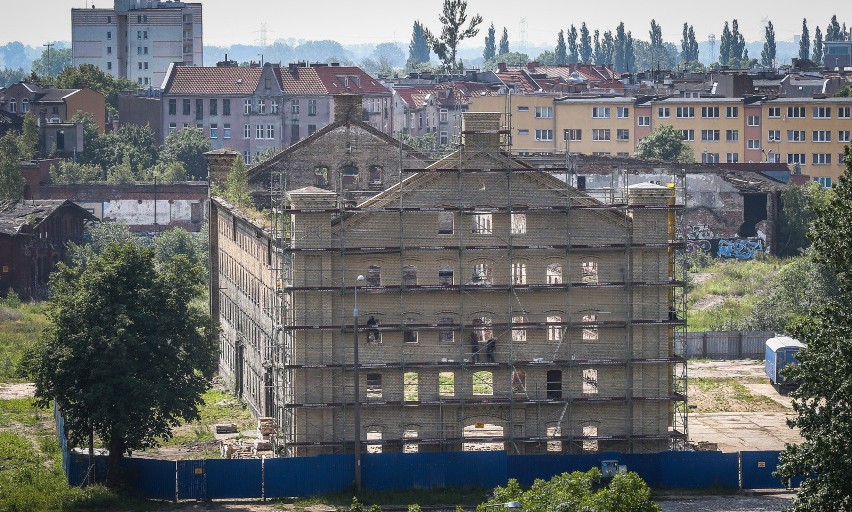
[501,309]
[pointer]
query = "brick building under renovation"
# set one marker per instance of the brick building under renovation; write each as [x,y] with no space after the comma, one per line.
[500,309]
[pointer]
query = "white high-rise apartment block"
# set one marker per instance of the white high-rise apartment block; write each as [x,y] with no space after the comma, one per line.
[138,39]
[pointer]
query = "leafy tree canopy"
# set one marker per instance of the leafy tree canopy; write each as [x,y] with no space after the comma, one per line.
[578,492]
[822,400]
[127,356]
[666,144]
[11,181]
[453,18]
[187,146]
[89,75]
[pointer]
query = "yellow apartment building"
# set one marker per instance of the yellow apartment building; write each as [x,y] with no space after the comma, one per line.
[810,133]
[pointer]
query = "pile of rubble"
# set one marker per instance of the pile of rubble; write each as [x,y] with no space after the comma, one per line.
[249,448]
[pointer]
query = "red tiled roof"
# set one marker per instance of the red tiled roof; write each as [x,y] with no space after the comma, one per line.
[414,96]
[213,80]
[330,80]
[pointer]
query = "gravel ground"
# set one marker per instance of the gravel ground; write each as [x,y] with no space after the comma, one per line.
[734,503]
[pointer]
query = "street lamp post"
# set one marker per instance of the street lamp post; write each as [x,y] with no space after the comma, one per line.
[357,377]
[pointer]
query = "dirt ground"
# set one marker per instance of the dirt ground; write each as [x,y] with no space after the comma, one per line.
[12,391]
[756,421]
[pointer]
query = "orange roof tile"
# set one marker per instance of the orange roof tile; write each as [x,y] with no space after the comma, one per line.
[213,80]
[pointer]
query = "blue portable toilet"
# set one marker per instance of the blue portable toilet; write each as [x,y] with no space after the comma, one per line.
[780,352]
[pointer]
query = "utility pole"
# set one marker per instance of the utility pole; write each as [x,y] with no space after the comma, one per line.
[49,46]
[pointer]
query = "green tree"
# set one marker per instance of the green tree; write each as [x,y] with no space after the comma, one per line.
[29,136]
[689,46]
[573,51]
[546,58]
[618,58]
[725,46]
[177,241]
[68,173]
[127,356]
[666,144]
[165,172]
[121,173]
[833,31]
[817,55]
[504,43]
[800,287]
[805,42]
[53,63]
[824,395]
[453,18]
[89,75]
[629,54]
[490,44]
[767,56]
[11,181]
[799,204]
[658,51]
[187,146]
[738,47]
[96,239]
[607,48]
[418,50]
[846,92]
[597,53]
[585,45]
[511,59]
[236,185]
[577,492]
[561,51]
[389,53]
[9,76]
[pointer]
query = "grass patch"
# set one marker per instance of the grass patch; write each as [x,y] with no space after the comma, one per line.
[219,406]
[20,326]
[728,395]
[738,285]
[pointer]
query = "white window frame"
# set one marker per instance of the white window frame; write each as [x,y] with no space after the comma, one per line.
[644,121]
[600,112]
[544,112]
[753,120]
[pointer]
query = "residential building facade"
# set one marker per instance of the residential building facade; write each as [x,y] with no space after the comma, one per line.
[54,105]
[809,134]
[138,39]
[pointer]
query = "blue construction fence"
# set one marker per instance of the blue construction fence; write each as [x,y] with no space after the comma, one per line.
[327,474]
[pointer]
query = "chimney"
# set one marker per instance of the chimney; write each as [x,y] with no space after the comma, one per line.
[532,65]
[481,131]
[219,163]
[348,107]
[501,67]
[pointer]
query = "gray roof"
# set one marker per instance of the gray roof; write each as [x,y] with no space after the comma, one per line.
[14,215]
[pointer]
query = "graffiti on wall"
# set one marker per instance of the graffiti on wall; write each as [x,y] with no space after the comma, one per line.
[699,245]
[699,232]
[739,248]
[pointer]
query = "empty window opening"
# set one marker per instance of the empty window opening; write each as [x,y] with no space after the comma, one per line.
[410,386]
[409,275]
[375,176]
[554,273]
[374,335]
[754,211]
[321,177]
[554,330]
[519,382]
[554,446]
[350,177]
[483,383]
[519,273]
[590,431]
[374,275]
[481,274]
[554,384]
[481,436]
[374,386]
[409,335]
[410,433]
[519,223]
[445,223]
[445,276]
[446,384]
[481,224]
[446,333]
[374,434]
[590,332]
[519,333]
[590,381]
[581,183]
[590,272]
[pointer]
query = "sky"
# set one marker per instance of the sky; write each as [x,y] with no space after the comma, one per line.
[229,22]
